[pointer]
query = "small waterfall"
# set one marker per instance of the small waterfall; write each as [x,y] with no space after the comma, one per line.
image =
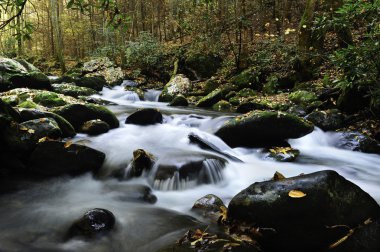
[131,96]
[209,171]
[128,83]
[152,95]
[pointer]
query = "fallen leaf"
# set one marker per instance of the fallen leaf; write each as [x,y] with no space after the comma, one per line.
[41,140]
[23,128]
[31,131]
[223,215]
[296,194]
[67,144]
[42,120]
[341,240]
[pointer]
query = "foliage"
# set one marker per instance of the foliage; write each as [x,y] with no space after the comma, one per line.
[361,61]
[145,53]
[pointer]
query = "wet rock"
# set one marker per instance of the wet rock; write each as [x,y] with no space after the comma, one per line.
[31,114]
[72,90]
[54,158]
[206,145]
[209,205]
[93,82]
[95,127]
[8,110]
[327,120]
[143,161]
[33,130]
[282,154]
[301,210]
[210,99]
[263,128]
[302,97]
[222,106]
[94,223]
[251,105]
[78,114]
[179,84]
[356,141]
[248,78]
[179,100]
[15,75]
[145,116]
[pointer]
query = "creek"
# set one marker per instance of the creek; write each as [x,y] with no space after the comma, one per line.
[37,217]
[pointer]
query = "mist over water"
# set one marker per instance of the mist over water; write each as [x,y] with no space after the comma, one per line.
[38,216]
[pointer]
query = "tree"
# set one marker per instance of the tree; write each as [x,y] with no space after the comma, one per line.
[56,27]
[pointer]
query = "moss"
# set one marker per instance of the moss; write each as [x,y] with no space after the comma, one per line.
[247,78]
[48,99]
[12,100]
[303,97]
[222,106]
[72,90]
[210,85]
[28,104]
[210,99]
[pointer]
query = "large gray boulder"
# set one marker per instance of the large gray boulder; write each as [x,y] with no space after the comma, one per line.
[178,85]
[13,74]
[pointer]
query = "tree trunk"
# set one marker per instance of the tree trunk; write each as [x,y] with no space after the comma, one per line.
[56,27]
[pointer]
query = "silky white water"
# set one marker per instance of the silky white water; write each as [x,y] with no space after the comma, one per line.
[37,217]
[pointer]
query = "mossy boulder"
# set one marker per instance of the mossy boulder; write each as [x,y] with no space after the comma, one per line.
[210,99]
[303,97]
[263,128]
[31,114]
[203,65]
[27,105]
[222,106]
[8,110]
[48,99]
[78,114]
[16,75]
[103,68]
[179,84]
[95,127]
[179,100]
[302,210]
[72,90]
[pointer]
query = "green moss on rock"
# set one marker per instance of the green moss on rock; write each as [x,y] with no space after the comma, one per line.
[48,99]
[303,97]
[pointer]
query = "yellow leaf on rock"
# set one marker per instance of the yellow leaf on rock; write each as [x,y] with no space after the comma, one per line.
[23,128]
[223,215]
[42,120]
[68,144]
[296,194]
[41,140]
[31,131]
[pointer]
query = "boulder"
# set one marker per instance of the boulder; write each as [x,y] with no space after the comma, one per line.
[307,212]
[248,106]
[209,205]
[8,110]
[302,97]
[54,158]
[222,106]
[143,161]
[145,116]
[104,68]
[93,224]
[72,90]
[78,114]
[31,114]
[331,119]
[92,82]
[179,100]
[355,141]
[48,99]
[16,75]
[33,130]
[248,78]
[179,84]
[95,127]
[263,128]
[210,99]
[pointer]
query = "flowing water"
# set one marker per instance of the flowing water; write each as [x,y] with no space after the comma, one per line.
[36,218]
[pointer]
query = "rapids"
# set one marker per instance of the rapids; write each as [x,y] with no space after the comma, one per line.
[37,217]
